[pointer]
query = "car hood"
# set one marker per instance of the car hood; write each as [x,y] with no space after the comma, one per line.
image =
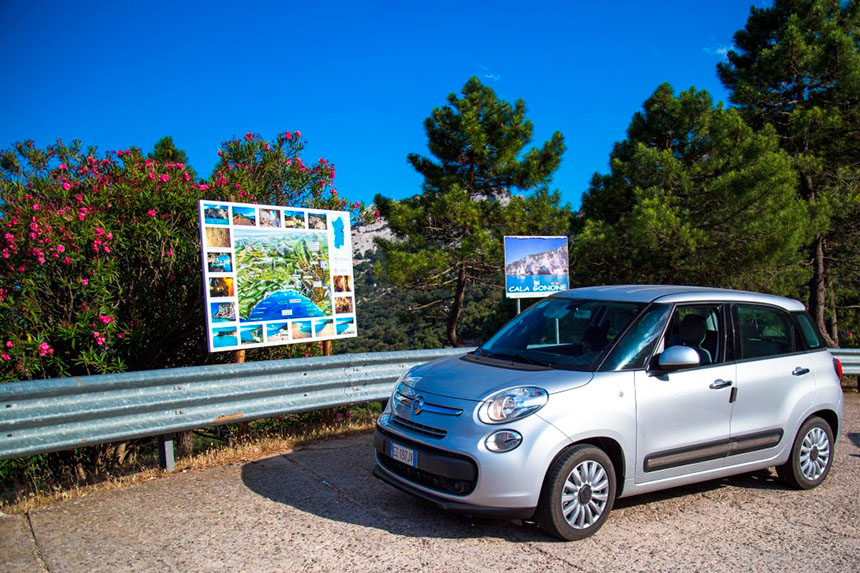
[466,380]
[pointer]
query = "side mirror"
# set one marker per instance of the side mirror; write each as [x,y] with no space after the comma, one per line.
[678,357]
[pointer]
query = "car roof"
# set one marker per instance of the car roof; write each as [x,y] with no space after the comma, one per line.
[677,293]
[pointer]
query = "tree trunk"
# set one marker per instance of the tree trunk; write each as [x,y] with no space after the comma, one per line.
[834,322]
[457,307]
[185,444]
[818,290]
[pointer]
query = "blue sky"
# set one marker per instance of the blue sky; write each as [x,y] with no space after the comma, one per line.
[357,79]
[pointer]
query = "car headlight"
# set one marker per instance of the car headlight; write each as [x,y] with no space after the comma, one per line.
[512,404]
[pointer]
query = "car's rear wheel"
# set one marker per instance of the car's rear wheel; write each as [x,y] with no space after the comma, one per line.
[811,455]
[578,493]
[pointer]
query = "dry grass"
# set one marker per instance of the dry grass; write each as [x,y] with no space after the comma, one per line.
[253,449]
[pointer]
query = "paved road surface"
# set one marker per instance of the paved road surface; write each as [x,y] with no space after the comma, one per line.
[319,509]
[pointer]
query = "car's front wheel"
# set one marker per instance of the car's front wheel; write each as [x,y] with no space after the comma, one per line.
[578,493]
[811,455]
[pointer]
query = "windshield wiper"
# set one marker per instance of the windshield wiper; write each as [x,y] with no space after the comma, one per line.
[516,356]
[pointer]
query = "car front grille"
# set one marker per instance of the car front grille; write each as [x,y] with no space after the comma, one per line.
[427,479]
[462,472]
[416,428]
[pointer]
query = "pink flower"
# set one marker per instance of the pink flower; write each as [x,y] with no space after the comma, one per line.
[80,198]
[9,344]
[107,249]
[288,135]
[99,338]
[109,236]
[45,349]
[151,175]
[66,186]
[62,165]
[67,261]
[85,282]
[36,207]
[105,318]
[148,163]
[4,356]
[297,134]
[100,231]
[203,187]
[60,248]
[170,252]
[165,178]
[151,213]
[186,176]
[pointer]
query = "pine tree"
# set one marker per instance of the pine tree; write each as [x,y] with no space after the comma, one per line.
[450,236]
[797,67]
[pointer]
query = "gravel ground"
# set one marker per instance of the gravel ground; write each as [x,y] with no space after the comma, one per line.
[319,509]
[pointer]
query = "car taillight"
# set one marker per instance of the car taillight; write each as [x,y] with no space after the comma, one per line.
[838,367]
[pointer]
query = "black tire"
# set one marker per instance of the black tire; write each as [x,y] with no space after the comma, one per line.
[811,455]
[582,520]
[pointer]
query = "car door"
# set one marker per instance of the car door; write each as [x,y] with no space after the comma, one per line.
[775,384]
[684,417]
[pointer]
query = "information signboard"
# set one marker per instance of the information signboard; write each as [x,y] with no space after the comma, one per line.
[535,266]
[275,275]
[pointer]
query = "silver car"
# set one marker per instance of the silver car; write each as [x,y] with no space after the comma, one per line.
[606,392]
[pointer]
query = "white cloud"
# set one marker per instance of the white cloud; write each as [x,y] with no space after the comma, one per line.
[488,75]
[722,50]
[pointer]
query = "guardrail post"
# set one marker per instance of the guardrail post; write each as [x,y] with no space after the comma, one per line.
[165,452]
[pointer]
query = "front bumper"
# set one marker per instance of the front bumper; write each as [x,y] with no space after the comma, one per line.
[453,506]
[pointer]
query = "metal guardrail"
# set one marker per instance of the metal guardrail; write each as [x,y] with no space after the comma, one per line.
[41,416]
[850,359]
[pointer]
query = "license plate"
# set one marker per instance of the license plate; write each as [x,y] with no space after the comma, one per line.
[404,455]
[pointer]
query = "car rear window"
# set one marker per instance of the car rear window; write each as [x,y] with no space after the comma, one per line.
[810,334]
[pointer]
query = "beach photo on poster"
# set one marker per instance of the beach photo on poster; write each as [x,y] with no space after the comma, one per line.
[294,219]
[343,305]
[244,216]
[282,274]
[324,328]
[222,312]
[342,283]
[224,337]
[302,329]
[345,326]
[220,286]
[270,218]
[251,334]
[216,237]
[219,262]
[278,332]
[316,221]
[215,214]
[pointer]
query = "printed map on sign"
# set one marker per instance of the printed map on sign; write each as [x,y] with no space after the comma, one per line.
[282,274]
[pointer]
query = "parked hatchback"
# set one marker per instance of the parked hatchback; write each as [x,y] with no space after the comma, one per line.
[606,392]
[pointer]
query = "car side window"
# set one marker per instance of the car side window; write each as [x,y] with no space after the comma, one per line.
[700,327]
[764,331]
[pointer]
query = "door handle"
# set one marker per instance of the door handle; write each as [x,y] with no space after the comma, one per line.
[719,383]
[800,371]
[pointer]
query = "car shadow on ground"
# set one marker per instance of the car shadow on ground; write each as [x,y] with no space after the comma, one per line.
[341,488]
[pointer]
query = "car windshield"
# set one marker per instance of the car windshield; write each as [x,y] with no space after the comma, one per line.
[572,334]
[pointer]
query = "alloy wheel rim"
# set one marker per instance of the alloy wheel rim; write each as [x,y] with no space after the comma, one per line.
[814,454]
[585,494]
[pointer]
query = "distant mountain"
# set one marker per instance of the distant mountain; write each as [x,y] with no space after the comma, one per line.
[552,262]
[363,235]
